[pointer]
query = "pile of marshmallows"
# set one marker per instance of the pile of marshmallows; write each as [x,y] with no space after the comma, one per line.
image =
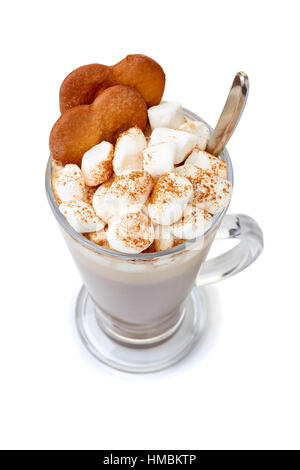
[147,190]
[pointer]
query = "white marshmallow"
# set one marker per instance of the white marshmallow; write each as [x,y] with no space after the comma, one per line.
[192,172]
[128,150]
[69,184]
[185,141]
[159,159]
[165,213]
[81,216]
[130,233]
[207,162]
[168,114]
[199,129]
[101,204]
[164,239]
[96,165]
[126,194]
[168,199]
[194,223]
[212,193]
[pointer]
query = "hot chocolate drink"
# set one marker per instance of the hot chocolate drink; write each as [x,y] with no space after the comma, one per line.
[134,196]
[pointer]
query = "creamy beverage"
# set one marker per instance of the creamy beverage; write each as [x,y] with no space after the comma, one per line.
[139,299]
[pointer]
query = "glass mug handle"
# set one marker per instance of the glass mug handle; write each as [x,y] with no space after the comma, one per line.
[249,233]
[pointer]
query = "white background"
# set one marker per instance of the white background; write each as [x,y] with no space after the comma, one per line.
[241,387]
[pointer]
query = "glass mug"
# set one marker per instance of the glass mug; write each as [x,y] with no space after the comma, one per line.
[144,312]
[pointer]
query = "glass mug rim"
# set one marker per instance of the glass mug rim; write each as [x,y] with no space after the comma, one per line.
[141,256]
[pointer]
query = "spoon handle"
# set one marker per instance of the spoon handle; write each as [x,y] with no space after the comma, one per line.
[230,116]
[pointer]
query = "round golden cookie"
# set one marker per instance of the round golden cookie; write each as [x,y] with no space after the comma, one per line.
[85,83]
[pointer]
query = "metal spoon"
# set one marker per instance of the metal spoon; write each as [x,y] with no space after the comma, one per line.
[231,114]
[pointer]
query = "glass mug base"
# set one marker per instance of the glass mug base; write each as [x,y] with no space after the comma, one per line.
[145,355]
